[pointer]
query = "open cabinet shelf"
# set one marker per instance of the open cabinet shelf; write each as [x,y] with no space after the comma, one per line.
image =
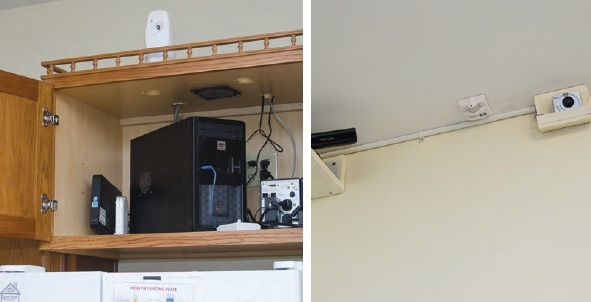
[103,103]
[263,243]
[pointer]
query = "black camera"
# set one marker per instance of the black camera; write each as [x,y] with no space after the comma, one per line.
[566,101]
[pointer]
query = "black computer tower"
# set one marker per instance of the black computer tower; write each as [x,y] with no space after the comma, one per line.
[172,176]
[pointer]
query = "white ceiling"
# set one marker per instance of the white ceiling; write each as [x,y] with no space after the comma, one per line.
[8,4]
[392,68]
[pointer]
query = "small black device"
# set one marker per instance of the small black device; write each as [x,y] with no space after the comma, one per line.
[212,93]
[334,138]
[188,176]
[102,205]
[281,202]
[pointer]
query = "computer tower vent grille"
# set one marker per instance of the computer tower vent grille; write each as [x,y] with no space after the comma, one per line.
[145,181]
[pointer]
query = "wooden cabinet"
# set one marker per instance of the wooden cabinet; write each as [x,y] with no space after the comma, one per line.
[27,166]
[103,102]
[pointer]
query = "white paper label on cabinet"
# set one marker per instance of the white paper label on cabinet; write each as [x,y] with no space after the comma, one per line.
[144,292]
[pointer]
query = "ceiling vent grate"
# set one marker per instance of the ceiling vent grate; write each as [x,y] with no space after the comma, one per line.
[212,93]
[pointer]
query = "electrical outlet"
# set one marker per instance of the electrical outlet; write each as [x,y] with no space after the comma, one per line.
[250,170]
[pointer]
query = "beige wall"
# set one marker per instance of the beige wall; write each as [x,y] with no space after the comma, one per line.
[415,59]
[71,28]
[498,212]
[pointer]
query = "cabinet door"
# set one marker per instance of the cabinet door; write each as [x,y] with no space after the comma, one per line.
[26,157]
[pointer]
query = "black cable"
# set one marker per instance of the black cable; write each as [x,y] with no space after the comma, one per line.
[260,130]
[265,174]
[271,224]
[249,215]
[296,211]
[255,214]
[267,137]
[275,145]
[274,224]
[256,169]
[260,118]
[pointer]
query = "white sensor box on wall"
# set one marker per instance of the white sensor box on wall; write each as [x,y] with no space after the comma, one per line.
[552,112]
[475,108]
[158,33]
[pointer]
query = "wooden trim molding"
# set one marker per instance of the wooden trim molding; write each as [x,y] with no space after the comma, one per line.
[99,69]
[177,67]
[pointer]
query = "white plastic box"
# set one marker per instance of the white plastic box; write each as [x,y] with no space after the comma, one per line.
[51,287]
[283,285]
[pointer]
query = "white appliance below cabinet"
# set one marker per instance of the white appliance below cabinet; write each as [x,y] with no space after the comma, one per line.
[221,286]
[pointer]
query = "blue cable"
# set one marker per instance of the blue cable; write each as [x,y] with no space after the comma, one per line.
[212,191]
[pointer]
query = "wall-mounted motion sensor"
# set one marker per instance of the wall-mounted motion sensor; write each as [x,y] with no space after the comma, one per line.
[158,33]
[475,107]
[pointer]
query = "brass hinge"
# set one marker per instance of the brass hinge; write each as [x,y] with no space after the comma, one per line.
[49,118]
[47,204]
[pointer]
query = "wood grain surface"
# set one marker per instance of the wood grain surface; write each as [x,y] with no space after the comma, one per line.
[139,55]
[20,252]
[18,159]
[14,84]
[27,252]
[17,227]
[78,263]
[46,163]
[172,68]
[88,142]
[183,245]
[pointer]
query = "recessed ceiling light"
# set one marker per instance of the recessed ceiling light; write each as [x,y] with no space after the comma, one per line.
[244,81]
[151,92]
